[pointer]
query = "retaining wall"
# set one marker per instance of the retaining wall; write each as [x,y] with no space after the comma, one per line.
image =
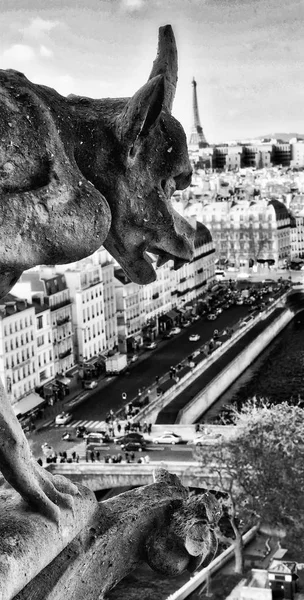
[195,408]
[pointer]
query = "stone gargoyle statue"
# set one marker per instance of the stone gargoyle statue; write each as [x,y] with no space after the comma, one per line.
[76,173]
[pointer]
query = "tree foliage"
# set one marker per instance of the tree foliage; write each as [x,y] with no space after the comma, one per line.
[261,466]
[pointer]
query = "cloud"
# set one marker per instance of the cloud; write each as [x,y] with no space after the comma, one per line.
[38,27]
[132,5]
[16,54]
[45,52]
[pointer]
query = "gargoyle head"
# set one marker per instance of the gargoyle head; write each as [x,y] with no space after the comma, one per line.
[154,162]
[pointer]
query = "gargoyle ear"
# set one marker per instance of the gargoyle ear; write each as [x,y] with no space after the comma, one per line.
[142,111]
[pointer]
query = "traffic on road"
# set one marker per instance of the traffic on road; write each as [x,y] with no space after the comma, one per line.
[230,310]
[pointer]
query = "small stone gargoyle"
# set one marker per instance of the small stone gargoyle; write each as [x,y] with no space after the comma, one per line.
[160,524]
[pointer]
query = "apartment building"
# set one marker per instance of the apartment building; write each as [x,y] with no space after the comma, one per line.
[18,359]
[247,232]
[107,263]
[131,315]
[157,299]
[51,285]
[86,290]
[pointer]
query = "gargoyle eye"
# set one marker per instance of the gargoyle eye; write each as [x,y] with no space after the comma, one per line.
[183,180]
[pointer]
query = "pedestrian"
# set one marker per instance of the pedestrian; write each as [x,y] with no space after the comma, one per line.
[87,457]
[64,454]
[119,458]
[126,456]
[92,455]
[147,459]
[74,455]
[149,428]
[140,460]
[197,427]
[157,378]
[77,458]
[132,456]
[126,428]
[98,455]
[119,427]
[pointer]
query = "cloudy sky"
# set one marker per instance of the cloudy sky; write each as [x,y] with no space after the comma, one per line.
[246,55]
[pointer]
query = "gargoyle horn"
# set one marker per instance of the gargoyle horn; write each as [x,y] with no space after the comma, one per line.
[166,63]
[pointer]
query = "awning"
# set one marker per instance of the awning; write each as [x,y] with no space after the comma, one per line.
[28,404]
[63,380]
[172,314]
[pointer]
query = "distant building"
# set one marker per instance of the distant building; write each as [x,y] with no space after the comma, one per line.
[85,286]
[18,358]
[248,232]
[52,286]
[130,312]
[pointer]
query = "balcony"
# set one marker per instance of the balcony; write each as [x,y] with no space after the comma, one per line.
[64,354]
[60,305]
[63,320]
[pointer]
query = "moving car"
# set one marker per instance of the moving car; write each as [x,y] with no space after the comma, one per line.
[133,436]
[168,438]
[194,337]
[63,418]
[90,385]
[67,436]
[211,317]
[175,330]
[133,446]
[151,346]
[204,439]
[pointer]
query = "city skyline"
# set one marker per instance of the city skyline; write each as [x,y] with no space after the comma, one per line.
[246,56]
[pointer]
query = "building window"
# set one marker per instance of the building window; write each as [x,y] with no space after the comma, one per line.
[40,322]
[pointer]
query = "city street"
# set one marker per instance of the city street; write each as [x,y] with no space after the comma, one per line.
[97,404]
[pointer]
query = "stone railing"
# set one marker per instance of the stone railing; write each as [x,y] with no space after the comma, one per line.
[95,545]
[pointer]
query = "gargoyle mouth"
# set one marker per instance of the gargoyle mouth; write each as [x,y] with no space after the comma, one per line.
[161,257]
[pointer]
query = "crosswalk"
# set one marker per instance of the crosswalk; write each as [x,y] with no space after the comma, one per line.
[83,422]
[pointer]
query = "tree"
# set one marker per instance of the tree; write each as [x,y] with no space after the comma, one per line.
[260,468]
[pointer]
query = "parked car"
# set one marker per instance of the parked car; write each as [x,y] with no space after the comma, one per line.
[167,335]
[168,438]
[218,311]
[90,385]
[151,346]
[133,446]
[175,330]
[194,337]
[63,418]
[81,431]
[134,358]
[211,317]
[196,317]
[186,323]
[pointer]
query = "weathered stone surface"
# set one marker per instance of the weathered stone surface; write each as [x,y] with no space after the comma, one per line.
[159,524]
[30,541]
[76,173]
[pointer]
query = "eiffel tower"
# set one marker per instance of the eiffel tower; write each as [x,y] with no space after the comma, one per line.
[197,138]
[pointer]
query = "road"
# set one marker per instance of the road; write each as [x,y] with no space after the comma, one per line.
[96,406]
[158,362]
